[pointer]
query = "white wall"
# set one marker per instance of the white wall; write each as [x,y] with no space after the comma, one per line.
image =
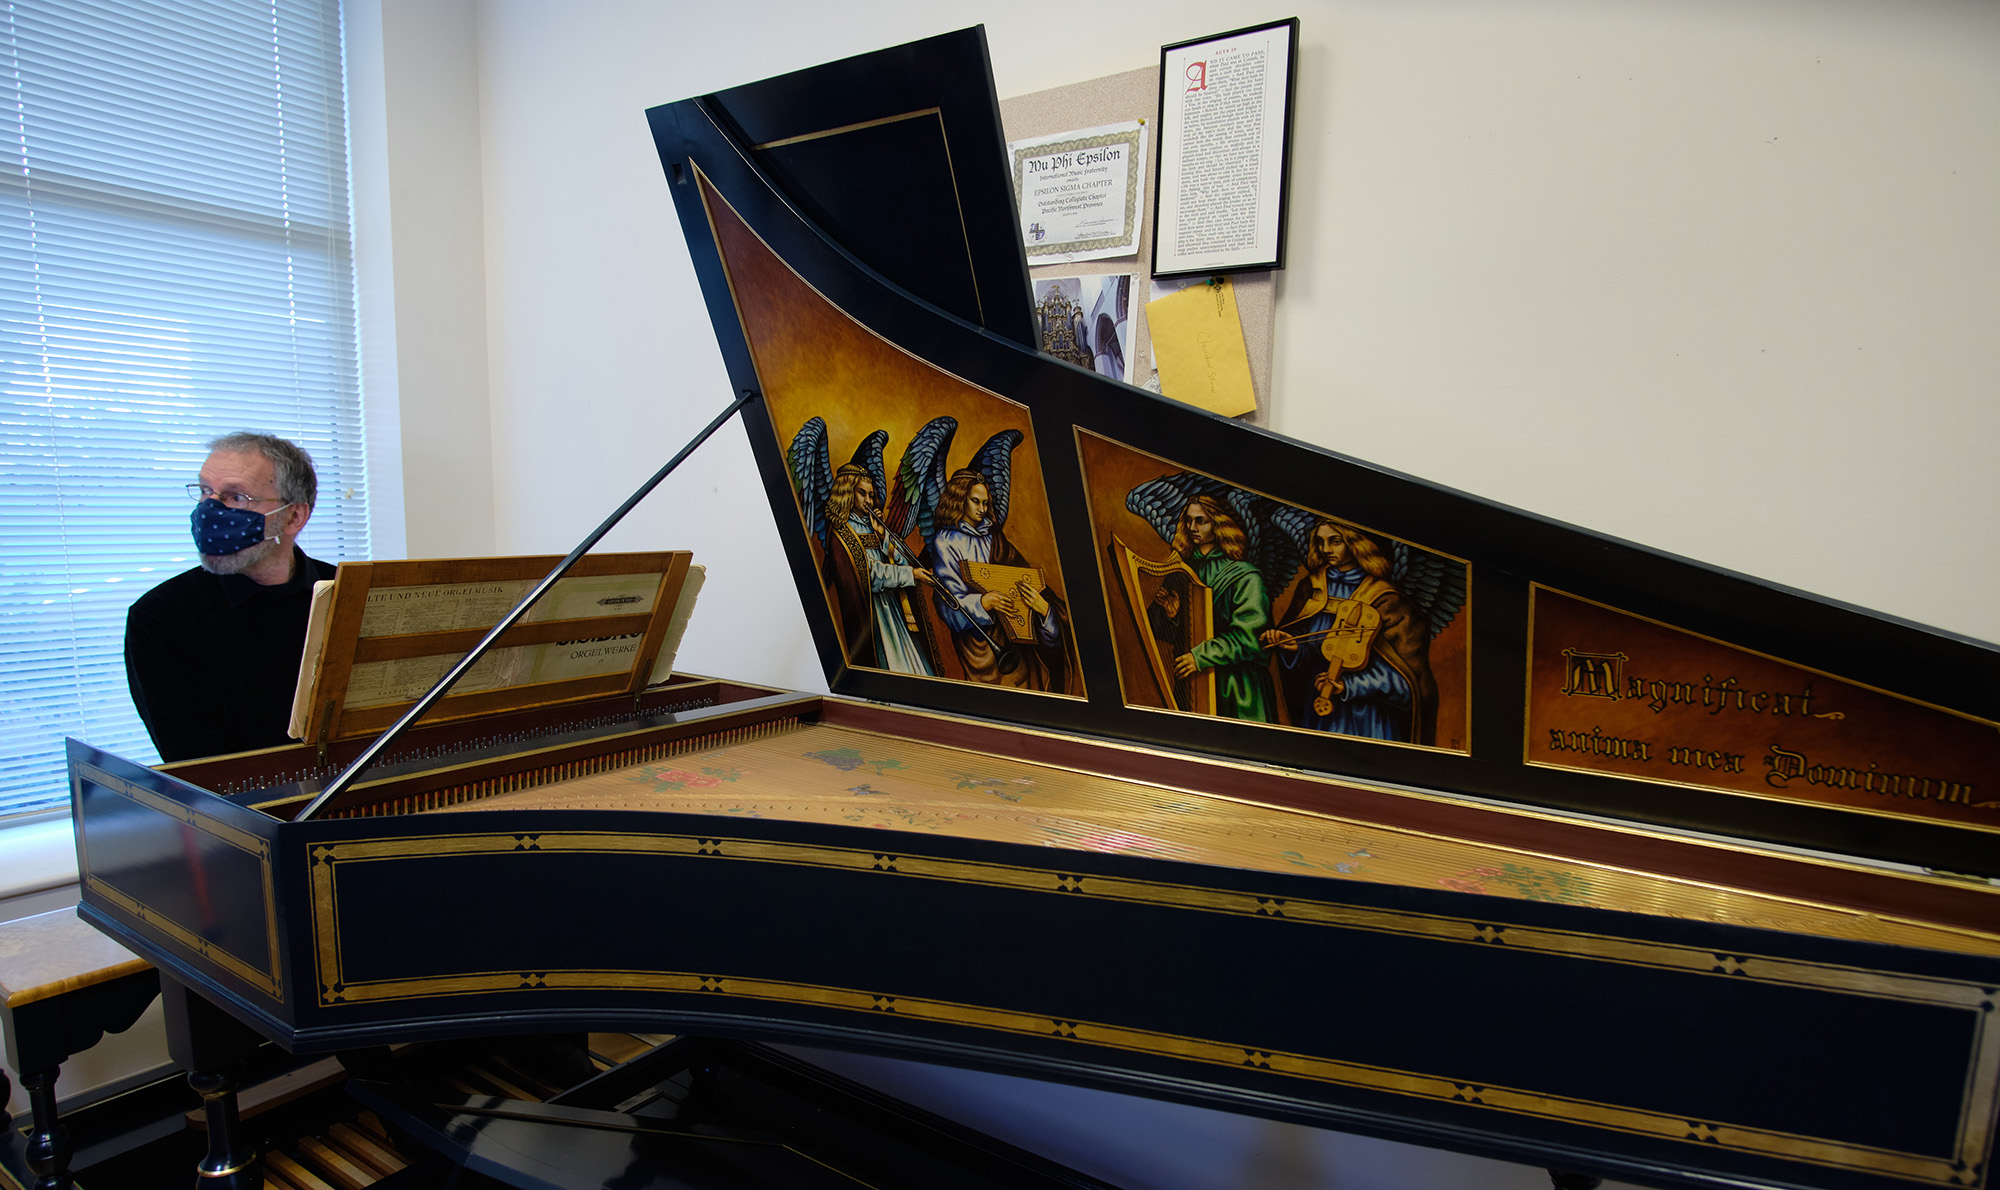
[420,269]
[1718,276]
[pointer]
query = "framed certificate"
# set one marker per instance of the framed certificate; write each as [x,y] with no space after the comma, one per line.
[1225,133]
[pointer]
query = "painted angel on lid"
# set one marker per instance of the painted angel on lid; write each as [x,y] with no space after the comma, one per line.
[1352,637]
[1006,625]
[1206,606]
[874,578]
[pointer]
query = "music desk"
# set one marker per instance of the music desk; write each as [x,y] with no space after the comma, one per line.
[63,986]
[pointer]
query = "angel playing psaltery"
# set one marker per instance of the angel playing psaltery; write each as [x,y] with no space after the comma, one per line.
[1007,626]
[871,570]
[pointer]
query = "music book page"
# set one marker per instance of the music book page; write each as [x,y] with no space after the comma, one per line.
[316,618]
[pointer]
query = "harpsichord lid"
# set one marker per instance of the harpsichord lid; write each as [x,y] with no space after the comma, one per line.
[979,528]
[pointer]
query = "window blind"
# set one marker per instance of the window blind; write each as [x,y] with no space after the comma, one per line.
[175,264]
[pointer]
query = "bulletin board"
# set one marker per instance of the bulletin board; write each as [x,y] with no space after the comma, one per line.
[1135,95]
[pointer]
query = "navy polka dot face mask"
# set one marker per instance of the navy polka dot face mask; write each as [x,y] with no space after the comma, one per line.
[220,530]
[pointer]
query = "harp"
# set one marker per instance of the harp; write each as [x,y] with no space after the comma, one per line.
[1144,582]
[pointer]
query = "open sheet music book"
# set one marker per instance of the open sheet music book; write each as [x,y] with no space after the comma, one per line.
[381,634]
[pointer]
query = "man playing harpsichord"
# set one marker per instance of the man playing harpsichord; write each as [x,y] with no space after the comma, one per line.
[212,654]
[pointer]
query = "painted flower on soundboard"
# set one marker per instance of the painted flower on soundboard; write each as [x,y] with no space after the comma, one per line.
[1345,867]
[901,817]
[849,759]
[1556,885]
[997,786]
[675,780]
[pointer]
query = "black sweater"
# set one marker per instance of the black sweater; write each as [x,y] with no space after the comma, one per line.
[212,660]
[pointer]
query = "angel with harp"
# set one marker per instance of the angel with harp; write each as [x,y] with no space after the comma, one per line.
[1233,558]
[1353,640]
[873,573]
[1007,626]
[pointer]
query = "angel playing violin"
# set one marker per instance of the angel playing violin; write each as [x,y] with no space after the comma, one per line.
[1353,643]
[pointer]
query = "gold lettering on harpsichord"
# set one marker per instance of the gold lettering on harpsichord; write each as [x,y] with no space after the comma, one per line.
[1714,696]
[1593,675]
[1595,743]
[1786,767]
[1614,693]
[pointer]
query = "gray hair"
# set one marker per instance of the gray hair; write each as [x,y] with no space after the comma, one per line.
[292,467]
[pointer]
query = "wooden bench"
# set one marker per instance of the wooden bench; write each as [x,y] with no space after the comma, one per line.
[63,986]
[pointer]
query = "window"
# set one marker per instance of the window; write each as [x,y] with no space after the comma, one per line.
[175,264]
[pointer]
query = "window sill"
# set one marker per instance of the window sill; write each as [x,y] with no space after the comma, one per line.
[35,856]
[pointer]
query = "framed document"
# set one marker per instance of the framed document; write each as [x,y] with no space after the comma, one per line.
[1225,133]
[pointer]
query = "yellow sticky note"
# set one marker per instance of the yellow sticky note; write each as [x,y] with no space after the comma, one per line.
[1198,344]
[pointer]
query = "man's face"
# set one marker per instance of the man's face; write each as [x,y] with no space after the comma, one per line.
[978,501]
[864,496]
[251,474]
[1200,527]
[1333,547]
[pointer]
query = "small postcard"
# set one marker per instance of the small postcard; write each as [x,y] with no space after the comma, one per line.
[1087,320]
[1078,193]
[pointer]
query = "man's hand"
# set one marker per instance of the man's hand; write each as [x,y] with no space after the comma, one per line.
[1184,665]
[1032,598]
[998,601]
[1168,602]
[1274,639]
[924,576]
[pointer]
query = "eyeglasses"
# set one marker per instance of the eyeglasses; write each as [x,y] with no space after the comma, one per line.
[201,491]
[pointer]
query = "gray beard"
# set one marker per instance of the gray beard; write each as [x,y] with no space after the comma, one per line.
[242,559]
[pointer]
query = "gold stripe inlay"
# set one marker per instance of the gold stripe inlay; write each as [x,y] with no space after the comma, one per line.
[267,978]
